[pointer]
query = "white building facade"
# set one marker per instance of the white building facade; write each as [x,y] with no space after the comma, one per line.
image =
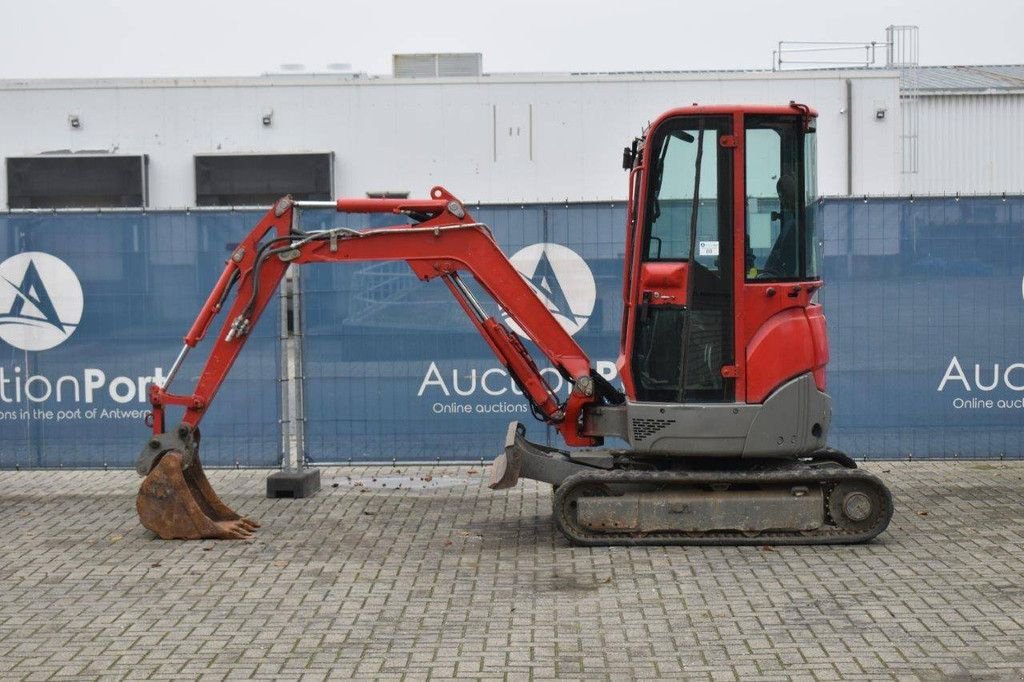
[524,137]
[490,139]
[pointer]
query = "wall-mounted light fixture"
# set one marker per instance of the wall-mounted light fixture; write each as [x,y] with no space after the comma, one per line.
[880,114]
[268,117]
[74,121]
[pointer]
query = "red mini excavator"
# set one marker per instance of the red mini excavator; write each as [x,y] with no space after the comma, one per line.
[722,354]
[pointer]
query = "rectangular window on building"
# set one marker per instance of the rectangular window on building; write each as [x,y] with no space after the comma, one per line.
[76,181]
[261,179]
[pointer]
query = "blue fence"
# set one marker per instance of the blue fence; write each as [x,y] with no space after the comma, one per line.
[137,281]
[394,367]
[924,299]
[926,316]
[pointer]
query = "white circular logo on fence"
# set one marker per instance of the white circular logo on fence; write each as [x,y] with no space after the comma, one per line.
[562,280]
[40,301]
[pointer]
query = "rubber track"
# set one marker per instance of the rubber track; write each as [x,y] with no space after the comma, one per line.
[828,477]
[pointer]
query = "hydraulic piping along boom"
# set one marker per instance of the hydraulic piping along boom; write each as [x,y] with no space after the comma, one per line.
[444,242]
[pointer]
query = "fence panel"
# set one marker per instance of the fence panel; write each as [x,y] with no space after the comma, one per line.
[395,369]
[925,311]
[136,280]
[923,296]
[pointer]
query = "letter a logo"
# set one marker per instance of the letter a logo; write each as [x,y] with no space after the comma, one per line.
[40,301]
[562,280]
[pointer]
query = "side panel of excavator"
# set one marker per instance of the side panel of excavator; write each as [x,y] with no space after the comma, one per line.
[791,422]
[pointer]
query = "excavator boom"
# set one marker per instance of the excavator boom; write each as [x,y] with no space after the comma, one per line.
[444,243]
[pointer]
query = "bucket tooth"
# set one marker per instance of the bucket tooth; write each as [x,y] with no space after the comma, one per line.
[179,503]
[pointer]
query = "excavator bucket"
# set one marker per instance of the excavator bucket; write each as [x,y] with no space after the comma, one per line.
[177,502]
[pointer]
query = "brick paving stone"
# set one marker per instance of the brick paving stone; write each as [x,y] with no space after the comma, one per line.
[448,580]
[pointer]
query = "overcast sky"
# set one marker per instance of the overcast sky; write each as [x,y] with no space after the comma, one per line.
[114,38]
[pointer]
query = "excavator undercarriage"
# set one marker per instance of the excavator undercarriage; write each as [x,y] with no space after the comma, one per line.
[617,497]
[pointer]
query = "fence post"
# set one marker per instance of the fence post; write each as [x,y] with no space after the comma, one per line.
[294,479]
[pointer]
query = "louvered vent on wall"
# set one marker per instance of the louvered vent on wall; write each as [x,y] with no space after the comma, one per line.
[438,65]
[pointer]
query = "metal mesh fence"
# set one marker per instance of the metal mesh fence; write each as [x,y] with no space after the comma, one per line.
[911,285]
[925,311]
[923,297]
[138,279]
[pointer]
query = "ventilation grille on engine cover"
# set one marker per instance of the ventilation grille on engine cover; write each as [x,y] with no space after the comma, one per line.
[645,428]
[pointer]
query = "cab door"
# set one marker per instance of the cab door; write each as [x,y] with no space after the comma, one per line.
[679,344]
[782,329]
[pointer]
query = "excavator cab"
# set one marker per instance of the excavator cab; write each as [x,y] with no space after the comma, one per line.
[723,346]
[721,212]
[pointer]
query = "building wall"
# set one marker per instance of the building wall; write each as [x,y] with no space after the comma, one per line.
[970,144]
[494,139]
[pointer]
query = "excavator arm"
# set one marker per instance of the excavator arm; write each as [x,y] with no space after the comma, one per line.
[444,242]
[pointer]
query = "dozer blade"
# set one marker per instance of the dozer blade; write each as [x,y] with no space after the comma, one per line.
[524,459]
[505,468]
[179,503]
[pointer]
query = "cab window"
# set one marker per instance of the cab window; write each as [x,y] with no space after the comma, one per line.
[671,206]
[776,228]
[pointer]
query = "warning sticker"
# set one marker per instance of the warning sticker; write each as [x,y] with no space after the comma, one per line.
[707,248]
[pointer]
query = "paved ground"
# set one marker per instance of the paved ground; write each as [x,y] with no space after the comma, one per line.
[448,579]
